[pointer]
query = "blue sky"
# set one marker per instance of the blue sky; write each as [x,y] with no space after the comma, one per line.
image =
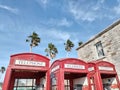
[55,21]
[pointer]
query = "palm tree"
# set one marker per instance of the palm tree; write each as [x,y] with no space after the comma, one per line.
[2,69]
[68,46]
[80,43]
[51,50]
[34,40]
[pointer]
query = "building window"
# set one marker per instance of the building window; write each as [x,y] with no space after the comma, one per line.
[99,49]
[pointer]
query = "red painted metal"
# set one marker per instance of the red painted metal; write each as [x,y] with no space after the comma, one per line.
[101,69]
[61,72]
[26,70]
[62,69]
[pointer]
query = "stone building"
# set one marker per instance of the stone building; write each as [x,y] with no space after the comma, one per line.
[104,46]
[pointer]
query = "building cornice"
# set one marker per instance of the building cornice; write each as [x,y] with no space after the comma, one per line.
[101,33]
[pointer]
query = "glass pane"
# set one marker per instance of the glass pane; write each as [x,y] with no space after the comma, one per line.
[66,82]
[91,81]
[110,83]
[15,84]
[54,81]
[99,49]
[67,88]
[24,82]
[24,88]
[54,87]
[92,87]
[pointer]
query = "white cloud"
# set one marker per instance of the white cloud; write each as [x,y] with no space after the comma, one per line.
[60,35]
[102,1]
[64,22]
[117,9]
[1,26]
[10,9]
[53,34]
[91,10]
[42,2]
[81,14]
[57,22]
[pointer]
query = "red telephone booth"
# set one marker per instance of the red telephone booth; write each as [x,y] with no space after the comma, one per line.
[69,74]
[102,76]
[27,71]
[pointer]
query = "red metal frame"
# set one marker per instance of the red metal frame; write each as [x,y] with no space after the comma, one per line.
[99,69]
[30,67]
[59,69]
[35,66]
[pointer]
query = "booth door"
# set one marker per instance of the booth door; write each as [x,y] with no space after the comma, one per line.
[75,81]
[54,79]
[109,82]
[67,84]
[92,82]
[28,84]
[24,84]
[78,87]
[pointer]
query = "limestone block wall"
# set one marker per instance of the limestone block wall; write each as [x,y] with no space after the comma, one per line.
[110,39]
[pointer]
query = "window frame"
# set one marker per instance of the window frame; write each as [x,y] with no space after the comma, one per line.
[100,52]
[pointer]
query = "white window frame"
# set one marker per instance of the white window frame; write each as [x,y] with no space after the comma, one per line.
[99,49]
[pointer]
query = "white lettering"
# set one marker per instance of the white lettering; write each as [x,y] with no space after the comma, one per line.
[55,68]
[29,63]
[90,68]
[105,68]
[74,66]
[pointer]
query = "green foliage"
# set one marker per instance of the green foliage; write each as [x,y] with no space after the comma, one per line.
[80,43]
[68,45]
[34,40]
[51,50]
[2,69]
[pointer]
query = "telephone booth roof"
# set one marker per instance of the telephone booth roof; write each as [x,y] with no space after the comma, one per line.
[69,65]
[26,66]
[29,61]
[102,66]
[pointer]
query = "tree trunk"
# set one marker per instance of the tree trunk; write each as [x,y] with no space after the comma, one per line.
[67,54]
[30,49]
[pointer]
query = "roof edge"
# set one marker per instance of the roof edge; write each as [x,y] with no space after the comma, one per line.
[99,34]
[29,53]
